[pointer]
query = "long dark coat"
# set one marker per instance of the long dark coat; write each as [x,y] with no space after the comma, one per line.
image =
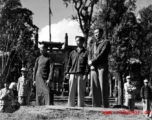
[43,71]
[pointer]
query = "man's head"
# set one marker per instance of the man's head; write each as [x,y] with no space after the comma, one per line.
[146,82]
[6,84]
[79,41]
[128,78]
[43,49]
[98,33]
[24,71]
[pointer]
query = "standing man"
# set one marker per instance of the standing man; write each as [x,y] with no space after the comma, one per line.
[129,94]
[146,95]
[98,62]
[77,71]
[42,77]
[24,88]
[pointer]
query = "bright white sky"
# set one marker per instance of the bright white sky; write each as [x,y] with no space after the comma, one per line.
[61,22]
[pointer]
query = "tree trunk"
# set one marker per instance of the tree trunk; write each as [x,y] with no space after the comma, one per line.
[110,86]
[120,89]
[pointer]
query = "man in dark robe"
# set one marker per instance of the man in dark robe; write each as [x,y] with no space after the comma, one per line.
[43,75]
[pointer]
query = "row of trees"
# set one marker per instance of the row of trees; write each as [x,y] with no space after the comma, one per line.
[130,37]
[18,36]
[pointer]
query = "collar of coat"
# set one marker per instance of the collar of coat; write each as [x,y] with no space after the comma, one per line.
[79,50]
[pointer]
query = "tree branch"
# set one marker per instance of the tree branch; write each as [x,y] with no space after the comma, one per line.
[78,12]
[91,12]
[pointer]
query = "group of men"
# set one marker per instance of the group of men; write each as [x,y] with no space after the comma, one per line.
[145,94]
[81,63]
[94,61]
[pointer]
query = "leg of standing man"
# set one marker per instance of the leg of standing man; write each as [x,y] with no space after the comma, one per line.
[72,90]
[103,79]
[132,104]
[81,90]
[96,93]
[146,108]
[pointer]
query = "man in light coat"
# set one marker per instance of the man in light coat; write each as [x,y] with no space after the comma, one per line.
[24,88]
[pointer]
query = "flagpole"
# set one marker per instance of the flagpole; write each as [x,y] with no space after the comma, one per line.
[49,20]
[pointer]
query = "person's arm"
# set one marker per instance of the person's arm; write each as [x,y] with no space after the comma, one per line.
[125,87]
[69,64]
[105,50]
[142,93]
[51,69]
[18,85]
[0,94]
[35,69]
[86,62]
[90,53]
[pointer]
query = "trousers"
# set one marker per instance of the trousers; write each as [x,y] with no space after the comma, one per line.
[147,108]
[76,83]
[99,83]
[130,103]
[23,100]
[5,108]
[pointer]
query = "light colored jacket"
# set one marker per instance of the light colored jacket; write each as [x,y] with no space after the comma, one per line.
[129,91]
[6,96]
[24,86]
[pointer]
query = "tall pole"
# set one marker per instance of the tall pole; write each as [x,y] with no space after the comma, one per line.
[50,20]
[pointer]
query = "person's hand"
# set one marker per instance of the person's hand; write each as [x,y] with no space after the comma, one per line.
[92,67]
[4,97]
[48,82]
[34,83]
[67,76]
[143,100]
[84,77]
[89,62]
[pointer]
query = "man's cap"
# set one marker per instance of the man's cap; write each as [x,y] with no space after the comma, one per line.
[128,77]
[23,69]
[145,80]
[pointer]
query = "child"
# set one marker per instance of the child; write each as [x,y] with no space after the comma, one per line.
[23,88]
[13,87]
[146,95]
[129,94]
[6,97]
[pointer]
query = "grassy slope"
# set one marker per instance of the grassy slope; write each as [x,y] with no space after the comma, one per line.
[47,113]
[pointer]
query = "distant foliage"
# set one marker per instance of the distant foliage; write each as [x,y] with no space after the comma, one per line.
[17,33]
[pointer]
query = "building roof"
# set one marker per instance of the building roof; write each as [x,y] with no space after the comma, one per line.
[52,44]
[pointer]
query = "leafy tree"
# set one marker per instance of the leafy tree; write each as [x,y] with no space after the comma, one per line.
[146,47]
[84,9]
[18,36]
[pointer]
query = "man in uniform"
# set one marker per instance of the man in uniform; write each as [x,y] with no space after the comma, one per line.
[130,91]
[24,86]
[42,77]
[98,62]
